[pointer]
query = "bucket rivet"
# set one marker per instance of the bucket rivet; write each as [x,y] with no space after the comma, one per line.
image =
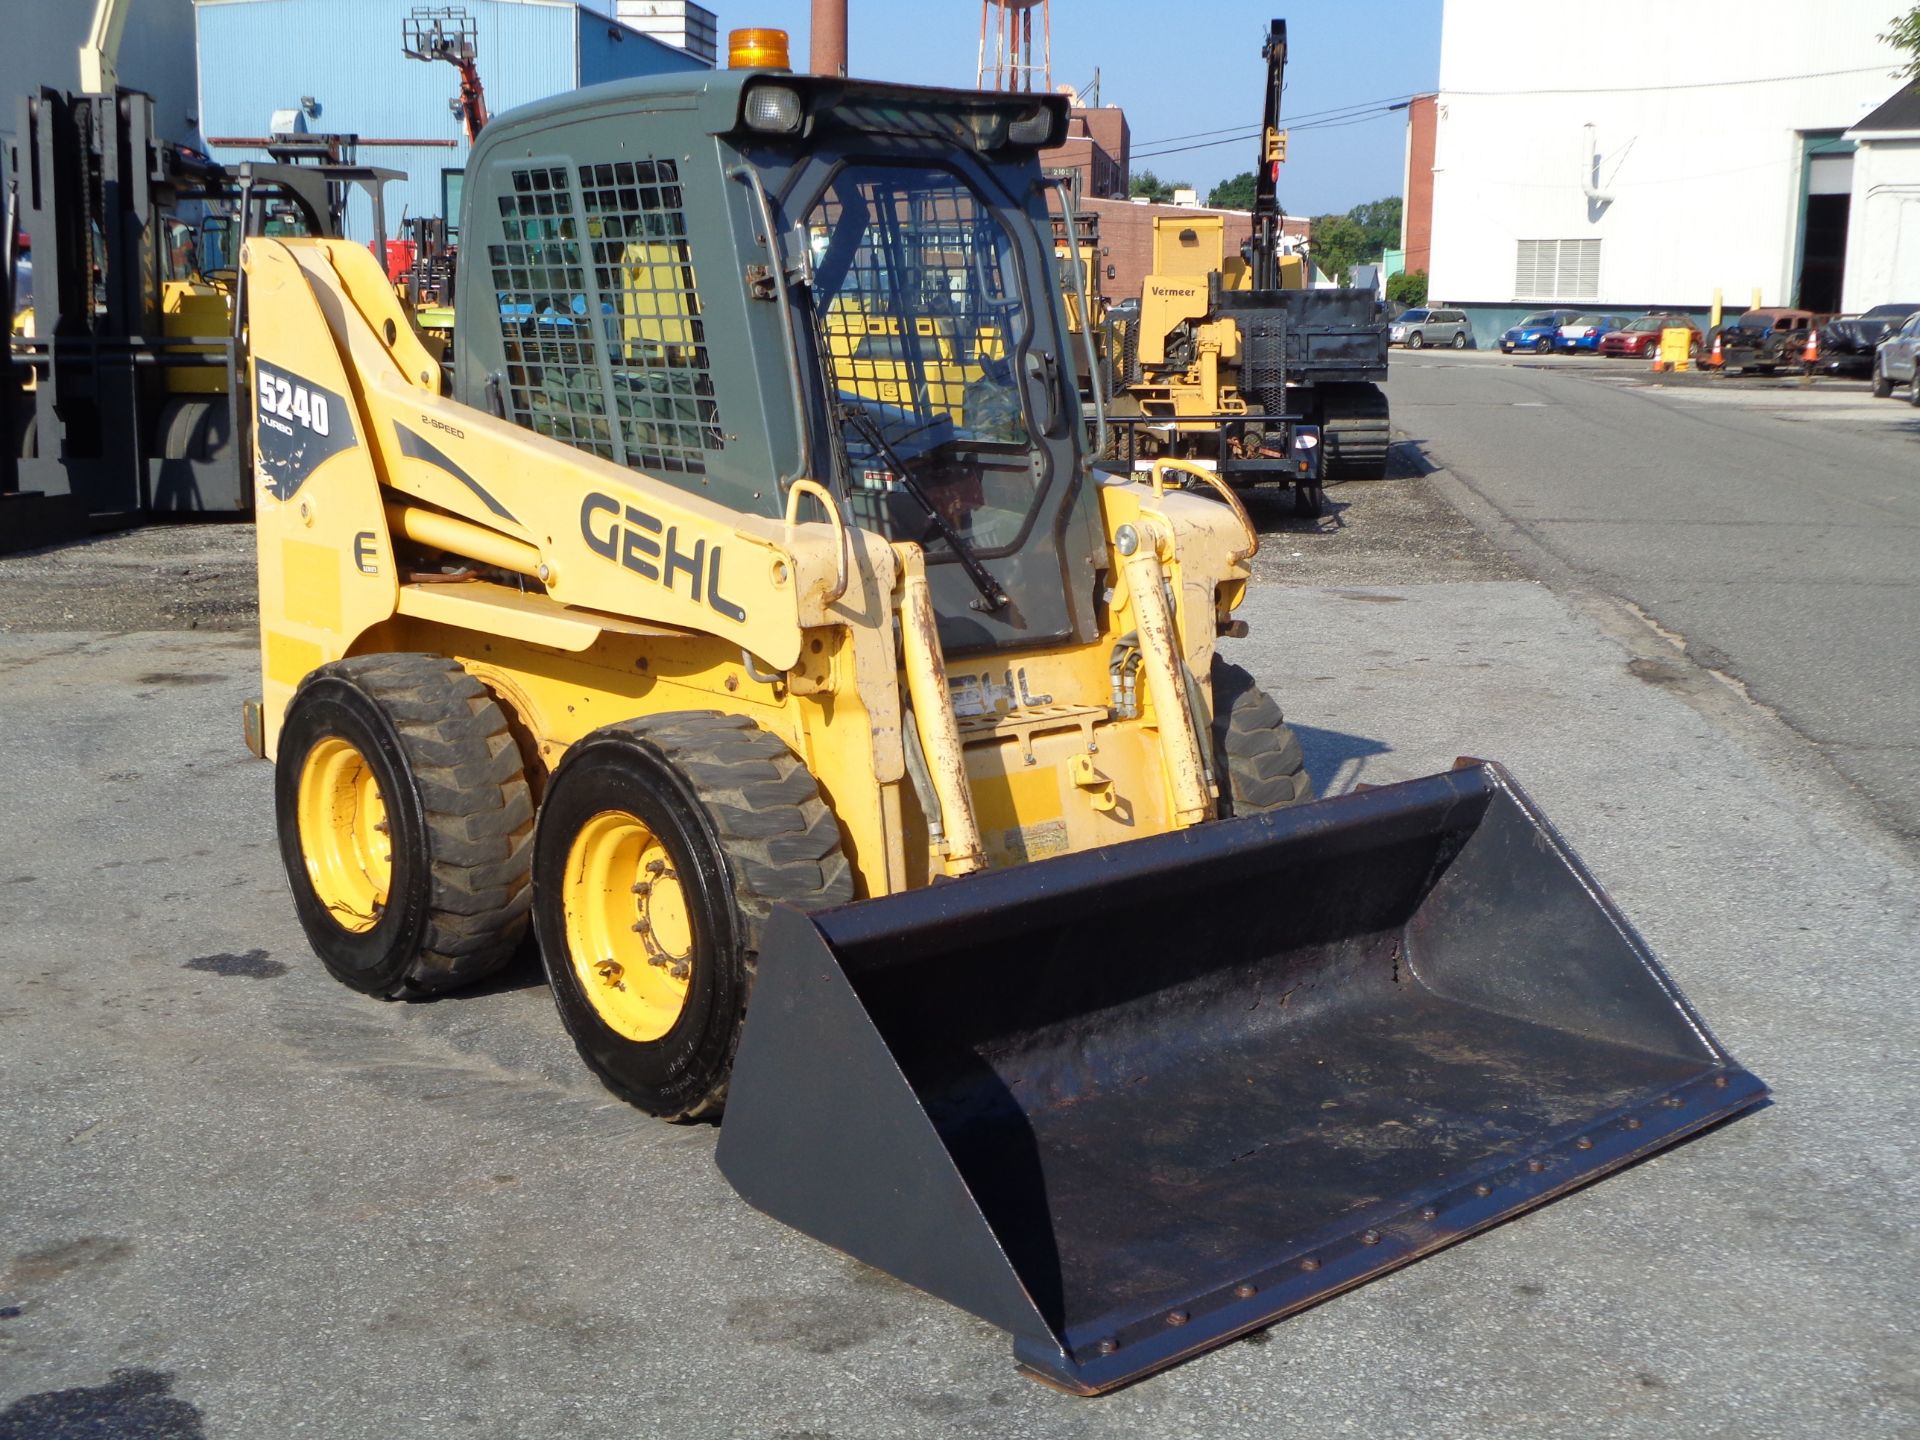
[1369,1237]
[1309,1264]
[1633,1122]
[1428,1212]
[1673,1102]
[1719,1082]
[1536,1166]
[1483,1189]
[1585,1142]
[1246,1292]
[1176,1317]
[1107,1347]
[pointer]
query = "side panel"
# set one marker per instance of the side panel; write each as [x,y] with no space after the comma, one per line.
[326,562]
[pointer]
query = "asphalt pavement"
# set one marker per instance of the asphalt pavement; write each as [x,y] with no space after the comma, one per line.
[1773,525]
[242,1201]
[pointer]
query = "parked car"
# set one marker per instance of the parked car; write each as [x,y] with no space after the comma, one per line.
[1641,338]
[1584,332]
[1416,329]
[1765,340]
[1897,362]
[1847,344]
[1536,332]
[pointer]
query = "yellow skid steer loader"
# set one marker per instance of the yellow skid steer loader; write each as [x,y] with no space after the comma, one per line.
[860,755]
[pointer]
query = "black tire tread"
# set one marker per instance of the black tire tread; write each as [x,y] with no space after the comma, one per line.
[479,814]
[781,841]
[1257,757]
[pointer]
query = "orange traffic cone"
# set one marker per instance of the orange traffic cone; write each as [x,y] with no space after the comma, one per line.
[1811,355]
[1714,358]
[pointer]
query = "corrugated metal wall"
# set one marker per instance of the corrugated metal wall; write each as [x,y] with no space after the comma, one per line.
[259,56]
[613,52]
[42,43]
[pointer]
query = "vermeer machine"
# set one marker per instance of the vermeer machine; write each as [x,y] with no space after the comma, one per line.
[745,615]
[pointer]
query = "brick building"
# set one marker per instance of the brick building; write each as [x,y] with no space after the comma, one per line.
[1096,147]
[1416,216]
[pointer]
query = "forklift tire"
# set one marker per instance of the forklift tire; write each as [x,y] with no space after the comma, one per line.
[1256,755]
[405,824]
[196,427]
[663,844]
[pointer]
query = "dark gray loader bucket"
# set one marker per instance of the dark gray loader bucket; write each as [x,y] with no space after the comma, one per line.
[1131,1103]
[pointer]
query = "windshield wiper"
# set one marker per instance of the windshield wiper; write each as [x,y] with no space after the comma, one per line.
[992,597]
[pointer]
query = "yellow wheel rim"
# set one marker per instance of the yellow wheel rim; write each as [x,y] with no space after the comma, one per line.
[629,933]
[344,836]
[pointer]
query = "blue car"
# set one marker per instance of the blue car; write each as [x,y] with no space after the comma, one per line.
[1539,331]
[1583,331]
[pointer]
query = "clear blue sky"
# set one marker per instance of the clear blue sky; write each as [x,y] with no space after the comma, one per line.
[1179,69]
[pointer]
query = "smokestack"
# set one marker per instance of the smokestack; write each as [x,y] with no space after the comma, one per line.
[827,49]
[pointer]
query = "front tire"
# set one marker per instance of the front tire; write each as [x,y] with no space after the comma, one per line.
[663,844]
[405,824]
[1544,345]
[1416,341]
[1256,755]
[1913,385]
[1882,386]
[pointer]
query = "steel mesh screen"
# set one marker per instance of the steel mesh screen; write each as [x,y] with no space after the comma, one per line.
[915,308]
[600,316]
[662,386]
[553,375]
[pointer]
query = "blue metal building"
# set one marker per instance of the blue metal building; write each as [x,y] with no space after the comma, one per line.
[339,63]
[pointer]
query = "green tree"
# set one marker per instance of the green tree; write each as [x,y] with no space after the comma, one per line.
[1149,186]
[1905,36]
[1409,287]
[1336,243]
[1234,194]
[1380,219]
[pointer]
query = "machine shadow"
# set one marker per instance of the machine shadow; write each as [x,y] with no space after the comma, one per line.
[1336,759]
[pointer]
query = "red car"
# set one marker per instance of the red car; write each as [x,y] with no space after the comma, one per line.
[1640,339]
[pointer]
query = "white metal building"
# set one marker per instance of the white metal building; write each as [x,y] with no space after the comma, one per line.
[1883,233]
[1648,153]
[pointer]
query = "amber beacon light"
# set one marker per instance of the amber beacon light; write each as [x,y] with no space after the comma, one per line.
[757,50]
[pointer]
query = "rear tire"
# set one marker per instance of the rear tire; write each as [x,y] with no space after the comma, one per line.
[405,824]
[728,817]
[1256,755]
[1460,340]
